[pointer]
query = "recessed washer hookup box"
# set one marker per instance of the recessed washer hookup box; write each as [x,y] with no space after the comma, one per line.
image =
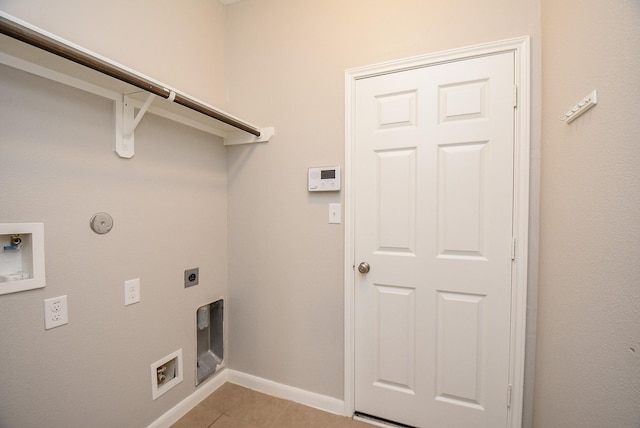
[21,257]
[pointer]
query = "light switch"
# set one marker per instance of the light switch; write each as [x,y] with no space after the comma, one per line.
[334,214]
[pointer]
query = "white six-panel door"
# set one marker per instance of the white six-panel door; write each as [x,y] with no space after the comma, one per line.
[434,184]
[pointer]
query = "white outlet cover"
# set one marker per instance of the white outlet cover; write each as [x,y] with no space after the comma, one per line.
[55,312]
[131,291]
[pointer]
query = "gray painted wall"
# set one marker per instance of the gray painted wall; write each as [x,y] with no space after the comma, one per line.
[169,210]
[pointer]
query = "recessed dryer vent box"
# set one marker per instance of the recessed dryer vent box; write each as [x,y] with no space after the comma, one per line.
[209,339]
[21,257]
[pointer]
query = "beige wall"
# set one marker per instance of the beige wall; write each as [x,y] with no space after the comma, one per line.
[169,209]
[178,43]
[286,64]
[588,356]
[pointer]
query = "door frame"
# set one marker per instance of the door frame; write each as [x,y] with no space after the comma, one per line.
[521,48]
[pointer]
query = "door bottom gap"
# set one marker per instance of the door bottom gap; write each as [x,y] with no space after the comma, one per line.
[381,422]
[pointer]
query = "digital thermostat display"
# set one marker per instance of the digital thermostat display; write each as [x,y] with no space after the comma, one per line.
[324,179]
[327,173]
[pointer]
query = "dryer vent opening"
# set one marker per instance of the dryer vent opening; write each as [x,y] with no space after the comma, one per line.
[209,337]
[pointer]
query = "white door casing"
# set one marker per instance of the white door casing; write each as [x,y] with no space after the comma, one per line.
[429,223]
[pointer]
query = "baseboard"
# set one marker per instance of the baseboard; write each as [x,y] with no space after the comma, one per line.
[183,407]
[311,399]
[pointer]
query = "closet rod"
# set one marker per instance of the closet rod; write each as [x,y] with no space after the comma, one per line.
[34,38]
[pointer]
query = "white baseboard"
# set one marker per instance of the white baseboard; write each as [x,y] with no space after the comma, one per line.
[183,407]
[311,399]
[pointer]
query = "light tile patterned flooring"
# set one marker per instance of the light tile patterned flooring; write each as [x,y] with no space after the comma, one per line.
[232,406]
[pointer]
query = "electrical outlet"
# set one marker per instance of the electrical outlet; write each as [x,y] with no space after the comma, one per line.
[191,277]
[131,291]
[55,312]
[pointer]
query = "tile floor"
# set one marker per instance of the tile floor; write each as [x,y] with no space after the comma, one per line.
[232,406]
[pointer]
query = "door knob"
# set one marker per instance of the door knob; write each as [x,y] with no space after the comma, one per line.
[364,267]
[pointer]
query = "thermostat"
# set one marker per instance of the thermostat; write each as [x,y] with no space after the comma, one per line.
[324,179]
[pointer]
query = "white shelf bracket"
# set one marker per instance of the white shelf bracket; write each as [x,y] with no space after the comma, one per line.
[136,120]
[240,137]
[126,122]
[121,145]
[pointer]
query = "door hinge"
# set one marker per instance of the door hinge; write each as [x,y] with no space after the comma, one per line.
[509,396]
[513,248]
[515,96]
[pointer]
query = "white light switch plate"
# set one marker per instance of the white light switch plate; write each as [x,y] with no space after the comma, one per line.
[334,214]
[55,312]
[131,291]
